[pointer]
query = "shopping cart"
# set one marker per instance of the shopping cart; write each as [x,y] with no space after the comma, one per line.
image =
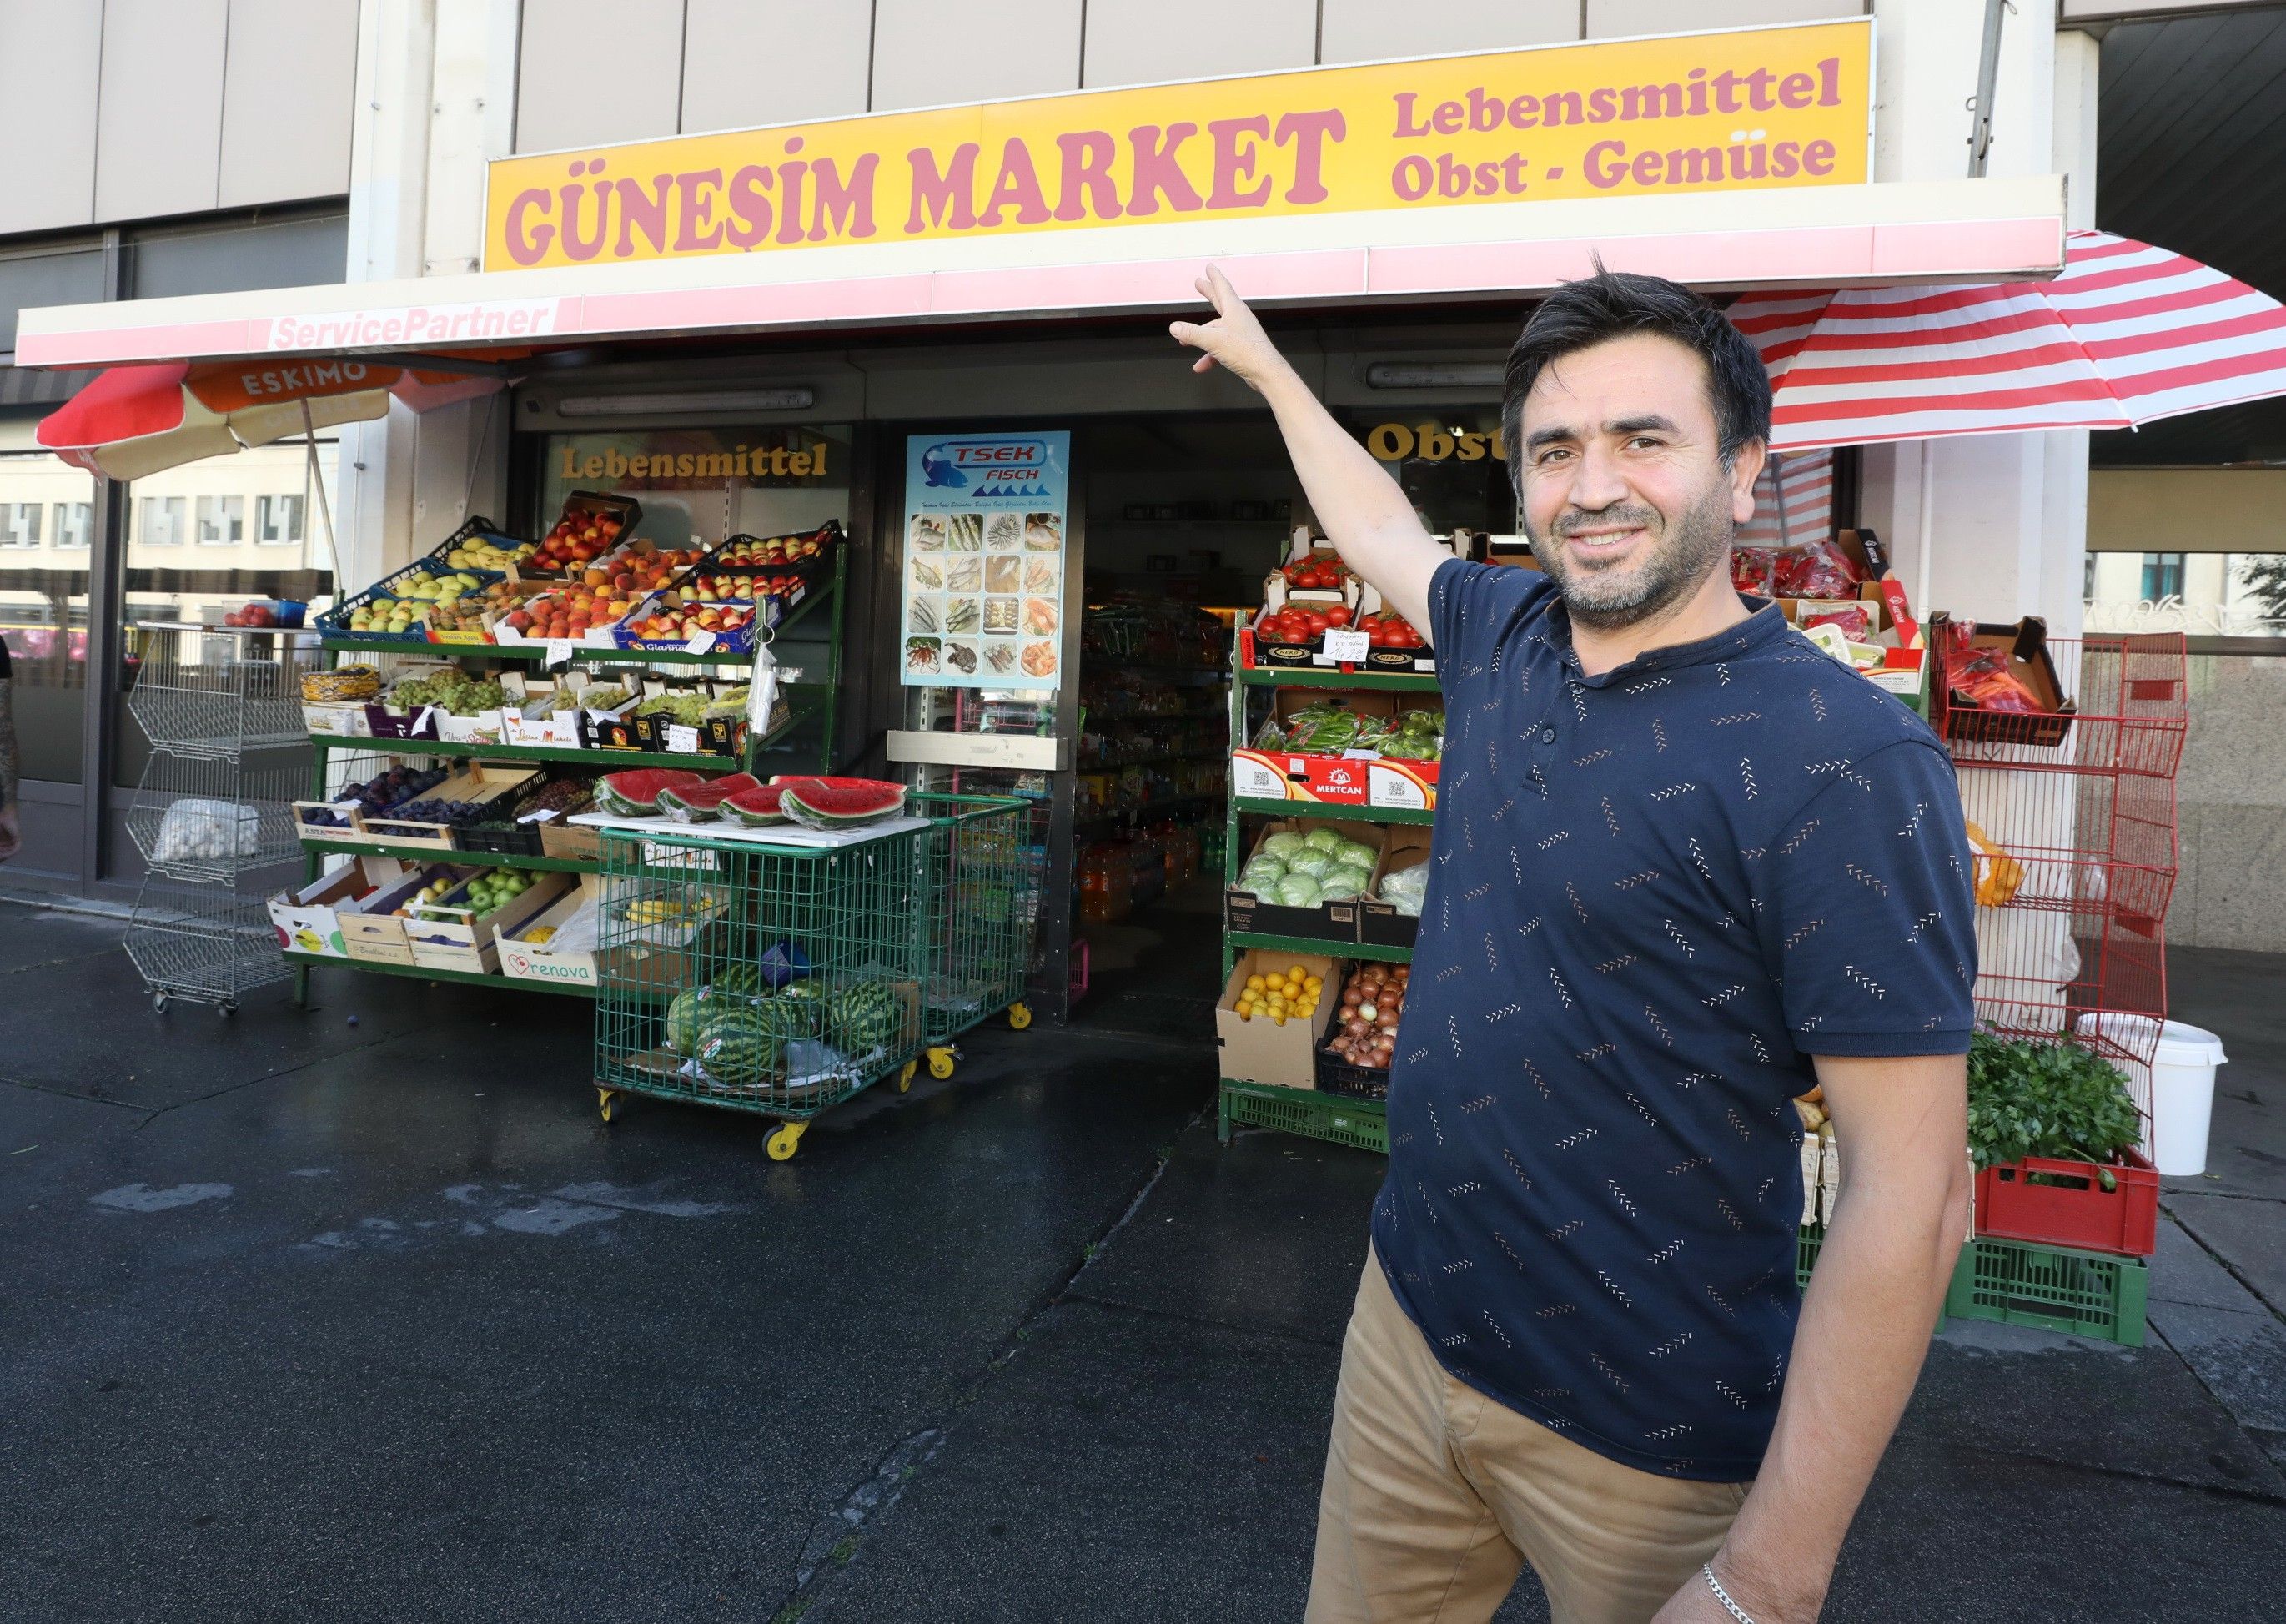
[781,979]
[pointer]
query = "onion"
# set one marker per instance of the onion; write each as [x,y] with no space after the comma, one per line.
[1369,1012]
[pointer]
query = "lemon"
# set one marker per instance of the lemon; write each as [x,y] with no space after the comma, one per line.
[1254,983]
[1277,1018]
[1296,973]
[1313,983]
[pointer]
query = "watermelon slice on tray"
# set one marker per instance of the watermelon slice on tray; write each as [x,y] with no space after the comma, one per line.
[757,808]
[838,803]
[702,803]
[634,793]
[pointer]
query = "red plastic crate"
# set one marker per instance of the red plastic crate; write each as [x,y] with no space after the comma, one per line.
[2080,1214]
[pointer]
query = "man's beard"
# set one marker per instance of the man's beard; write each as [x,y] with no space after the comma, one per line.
[1672,567]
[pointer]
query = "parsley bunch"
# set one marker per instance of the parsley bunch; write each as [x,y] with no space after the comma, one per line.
[2028,1098]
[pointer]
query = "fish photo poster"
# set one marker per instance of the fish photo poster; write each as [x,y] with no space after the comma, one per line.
[983,560]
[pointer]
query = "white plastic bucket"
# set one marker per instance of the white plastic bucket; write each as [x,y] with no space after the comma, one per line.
[2183,1061]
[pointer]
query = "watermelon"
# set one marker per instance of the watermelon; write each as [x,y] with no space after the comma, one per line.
[866,1016]
[701,803]
[739,1041]
[743,979]
[840,803]
[810,1008]
[757,808]
[635,793]
[683,1023]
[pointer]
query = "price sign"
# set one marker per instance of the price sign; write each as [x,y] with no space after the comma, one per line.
[559,652]
[700,641]
[1347,647]
[682,740]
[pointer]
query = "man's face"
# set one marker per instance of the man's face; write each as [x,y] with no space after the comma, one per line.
[1626,501]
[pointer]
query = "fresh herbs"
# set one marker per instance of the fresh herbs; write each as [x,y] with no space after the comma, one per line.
[2028,1098]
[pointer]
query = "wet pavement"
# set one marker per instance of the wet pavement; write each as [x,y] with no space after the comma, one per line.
[308,1320]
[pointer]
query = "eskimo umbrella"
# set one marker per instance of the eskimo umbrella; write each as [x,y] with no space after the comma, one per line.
[2126,335]
[131,421]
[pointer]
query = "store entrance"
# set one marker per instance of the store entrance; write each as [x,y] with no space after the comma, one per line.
[1184,517]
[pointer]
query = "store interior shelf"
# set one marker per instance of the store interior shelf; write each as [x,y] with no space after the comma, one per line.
[488,650]
[471,859]
[1253,807]
[1318,944]
[1312,677]
[1150,808]
[423,972]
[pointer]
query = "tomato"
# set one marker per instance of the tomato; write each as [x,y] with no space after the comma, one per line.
[1316,623]
[1377,635]
[1339,615]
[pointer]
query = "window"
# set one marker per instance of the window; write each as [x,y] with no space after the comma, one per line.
[159,520]
[2163,575]
[19,523]
[278,520]
[222,520]
[2087,579]
[74,523]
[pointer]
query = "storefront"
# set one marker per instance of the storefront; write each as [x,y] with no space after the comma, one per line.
[761,332]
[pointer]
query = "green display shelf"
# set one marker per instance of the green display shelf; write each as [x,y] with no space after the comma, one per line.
[1312,677]
[1318,944]
[605,760]
[1361,1124]
[487,650]
[423,973]
[1247,806]
[468,859]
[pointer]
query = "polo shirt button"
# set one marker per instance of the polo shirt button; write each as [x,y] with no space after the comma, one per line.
[1547,735]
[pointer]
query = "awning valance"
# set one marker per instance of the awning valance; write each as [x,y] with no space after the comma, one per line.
[1824,237]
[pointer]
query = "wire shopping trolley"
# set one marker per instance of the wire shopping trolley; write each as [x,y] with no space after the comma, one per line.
[780,973]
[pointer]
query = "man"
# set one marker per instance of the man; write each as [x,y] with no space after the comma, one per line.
[12,833]
[1685,868]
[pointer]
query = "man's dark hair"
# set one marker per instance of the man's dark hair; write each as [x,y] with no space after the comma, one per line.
[1614,303]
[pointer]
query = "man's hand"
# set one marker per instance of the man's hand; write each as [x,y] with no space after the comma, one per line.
[1233,338]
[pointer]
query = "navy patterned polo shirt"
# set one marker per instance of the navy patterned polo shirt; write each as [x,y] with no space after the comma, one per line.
[1654,895]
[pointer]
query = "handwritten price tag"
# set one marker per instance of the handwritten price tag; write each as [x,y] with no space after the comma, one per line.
[700,641]
[559,651]
[1347,647]
[682,740]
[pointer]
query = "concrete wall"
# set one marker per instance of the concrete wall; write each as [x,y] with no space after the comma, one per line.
[2231,802]
[129,109]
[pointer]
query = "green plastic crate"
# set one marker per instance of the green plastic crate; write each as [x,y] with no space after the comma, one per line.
[2021,1282]
[1362,1125]
[2054,1289]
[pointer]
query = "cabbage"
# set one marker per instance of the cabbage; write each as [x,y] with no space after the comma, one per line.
[1323,840]
[1264,868]
[1316,865]
[1278,844]
[1344,882]
[1406,889]
[1356,855]
[1299,891]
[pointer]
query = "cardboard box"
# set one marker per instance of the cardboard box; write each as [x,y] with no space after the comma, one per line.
[1336,921]
[483,782]
[558,730]
[335,720]
[307,919]
[2025,645]
[449,937]
[1380,922]
[561,839]
[370,929]
[1260,1051]
[1356,778]
[569,958]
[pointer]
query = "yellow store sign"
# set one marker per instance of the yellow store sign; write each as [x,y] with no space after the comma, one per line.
[1763,107]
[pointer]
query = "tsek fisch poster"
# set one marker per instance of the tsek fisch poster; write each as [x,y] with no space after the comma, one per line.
[984,559]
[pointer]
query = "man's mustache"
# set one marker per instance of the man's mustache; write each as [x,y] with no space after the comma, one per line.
[1636,518]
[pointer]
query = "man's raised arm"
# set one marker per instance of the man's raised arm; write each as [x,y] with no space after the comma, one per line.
[1364,513]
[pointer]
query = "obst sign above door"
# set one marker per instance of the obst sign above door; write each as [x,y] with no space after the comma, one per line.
[1750,108]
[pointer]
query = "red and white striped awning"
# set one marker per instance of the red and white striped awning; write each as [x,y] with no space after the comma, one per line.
[1794,500]
[2128,334]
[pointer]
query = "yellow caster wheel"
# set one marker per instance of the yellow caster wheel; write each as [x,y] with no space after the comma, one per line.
[905,1078]
[607,1103]
[940,1063]
[786,1141]
[1020,1015]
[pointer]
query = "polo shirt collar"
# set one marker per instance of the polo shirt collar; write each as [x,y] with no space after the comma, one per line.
[1764,624]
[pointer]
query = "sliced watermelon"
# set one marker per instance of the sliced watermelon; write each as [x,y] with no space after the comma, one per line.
[840,803]
[757,808]
[635,793]
[702,803]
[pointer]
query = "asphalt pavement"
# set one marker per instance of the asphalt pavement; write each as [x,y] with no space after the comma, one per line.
[361,1314]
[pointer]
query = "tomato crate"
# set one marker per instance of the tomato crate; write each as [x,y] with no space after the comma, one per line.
[2064,1204]
[1362,1125]
[2053,1289]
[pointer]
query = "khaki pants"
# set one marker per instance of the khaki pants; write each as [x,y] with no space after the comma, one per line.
[1435,1495]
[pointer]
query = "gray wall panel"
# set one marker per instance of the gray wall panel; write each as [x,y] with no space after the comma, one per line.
[47,141]
[1374,30]
[750,62]
[159,130]
[1619,19]
[934,53]
[1153,41]
[592,72]
[285,100]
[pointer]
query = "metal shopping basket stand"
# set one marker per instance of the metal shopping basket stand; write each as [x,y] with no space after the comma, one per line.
[783,971]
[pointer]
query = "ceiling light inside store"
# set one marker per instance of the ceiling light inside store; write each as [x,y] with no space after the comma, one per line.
[1416,374]
[691,400]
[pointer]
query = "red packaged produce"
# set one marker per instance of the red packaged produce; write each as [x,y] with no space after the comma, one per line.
[1856,621]
[1751,571]
[1819,571]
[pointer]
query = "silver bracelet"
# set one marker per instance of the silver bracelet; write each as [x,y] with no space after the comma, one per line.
[1722,1596]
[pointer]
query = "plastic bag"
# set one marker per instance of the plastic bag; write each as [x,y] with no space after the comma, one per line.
[195,830]
[1819,571]
[1405,889]
[1853,620]
[1981,678]
[1751,571]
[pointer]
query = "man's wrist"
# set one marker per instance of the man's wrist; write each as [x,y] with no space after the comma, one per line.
[1763,1596]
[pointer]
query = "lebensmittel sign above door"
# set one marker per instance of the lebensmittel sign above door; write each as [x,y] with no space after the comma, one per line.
[1747,108]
